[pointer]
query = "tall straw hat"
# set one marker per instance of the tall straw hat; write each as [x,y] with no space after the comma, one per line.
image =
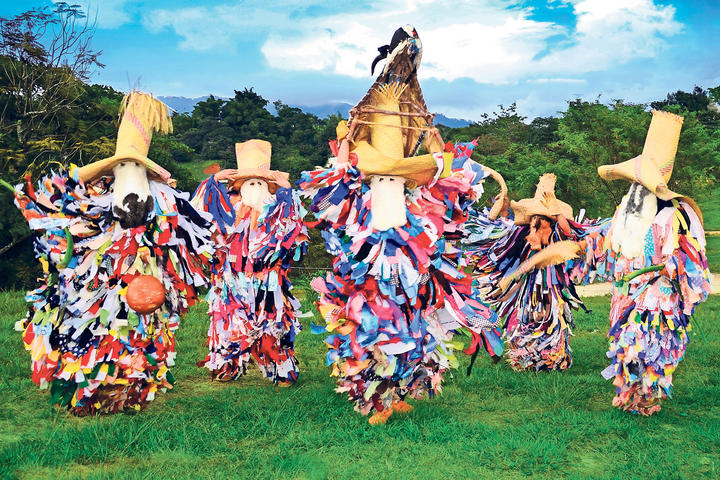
[140,116]
[253,161]
[653,167]
[383,152]
[544,202]
[387,127]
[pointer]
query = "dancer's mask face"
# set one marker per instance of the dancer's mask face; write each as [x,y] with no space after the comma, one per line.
[388,203]
[131,194]
[254,193]
[634,218]
[540,231]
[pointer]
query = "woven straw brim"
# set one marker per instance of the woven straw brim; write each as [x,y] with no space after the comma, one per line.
[419,170]
[104,167]
[527,208]
[554,254]
[274,178]
[643,170]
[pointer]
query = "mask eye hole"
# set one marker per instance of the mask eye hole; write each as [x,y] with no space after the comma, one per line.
[381,179]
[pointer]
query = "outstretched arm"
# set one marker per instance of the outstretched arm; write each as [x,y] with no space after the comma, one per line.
[592,261]
[43,208]
[211,196]
[282,237]
[336,192]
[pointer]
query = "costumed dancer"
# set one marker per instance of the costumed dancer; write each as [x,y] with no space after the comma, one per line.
[524,279]
[394,298]
[253,314]
[654,253]
[122,254]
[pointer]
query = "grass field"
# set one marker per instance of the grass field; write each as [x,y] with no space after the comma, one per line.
[711,210]
[713,253]
[495,423]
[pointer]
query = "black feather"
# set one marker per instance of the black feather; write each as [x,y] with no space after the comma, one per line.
[399,36]
[384,50]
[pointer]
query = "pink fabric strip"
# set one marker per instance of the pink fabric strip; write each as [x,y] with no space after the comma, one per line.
[139,126]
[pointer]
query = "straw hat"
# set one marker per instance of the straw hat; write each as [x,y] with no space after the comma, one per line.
[382,151]
[253,161]
[140,116]
[653,167]
[544,202]
[391,122]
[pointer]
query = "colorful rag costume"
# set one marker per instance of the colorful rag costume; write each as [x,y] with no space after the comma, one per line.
[654,252]
[395,298]
[534,297]
[96,349]
[253,314]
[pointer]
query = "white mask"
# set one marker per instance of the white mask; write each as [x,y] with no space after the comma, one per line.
[254,193]
[388,202]
[634,218]
[131,194]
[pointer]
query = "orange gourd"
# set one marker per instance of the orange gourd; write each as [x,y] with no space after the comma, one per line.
[145,294]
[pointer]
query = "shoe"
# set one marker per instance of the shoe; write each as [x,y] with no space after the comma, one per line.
[401,406]
[379,418]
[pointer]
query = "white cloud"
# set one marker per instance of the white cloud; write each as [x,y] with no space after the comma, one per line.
[193,25]
[491,42]
[558,80]
[610,33]
[205,28]
[490,49]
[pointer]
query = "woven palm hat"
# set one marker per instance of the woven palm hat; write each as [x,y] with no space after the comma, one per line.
[140,116]
[382,151]
[544,202]
[653,167]
[391,122]
[253,161]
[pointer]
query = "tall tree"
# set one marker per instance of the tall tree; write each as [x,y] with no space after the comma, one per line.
[45,55]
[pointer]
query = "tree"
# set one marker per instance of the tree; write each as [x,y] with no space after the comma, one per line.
[695,101]
[45,55]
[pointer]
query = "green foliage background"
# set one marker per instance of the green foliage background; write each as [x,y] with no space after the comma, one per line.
[82,126]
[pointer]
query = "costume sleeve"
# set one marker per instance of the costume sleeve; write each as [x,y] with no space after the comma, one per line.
[282,237]
[336,194]
[211,196]
[678,244]
[494,248]
[593,264]
[448,201]
[51,213]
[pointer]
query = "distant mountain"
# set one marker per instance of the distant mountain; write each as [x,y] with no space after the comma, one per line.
[182,104]
[441,119]
[186,105]
[326,110]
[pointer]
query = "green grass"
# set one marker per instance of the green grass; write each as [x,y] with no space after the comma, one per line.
[711,210]
[494,424]
[712,250]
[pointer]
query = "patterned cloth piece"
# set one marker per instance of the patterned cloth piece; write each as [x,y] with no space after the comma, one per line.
[253,313]
[537,306]
[87,345]
[395,298]
[653,300]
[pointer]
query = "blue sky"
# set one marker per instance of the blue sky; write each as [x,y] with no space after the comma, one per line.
[476,54]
